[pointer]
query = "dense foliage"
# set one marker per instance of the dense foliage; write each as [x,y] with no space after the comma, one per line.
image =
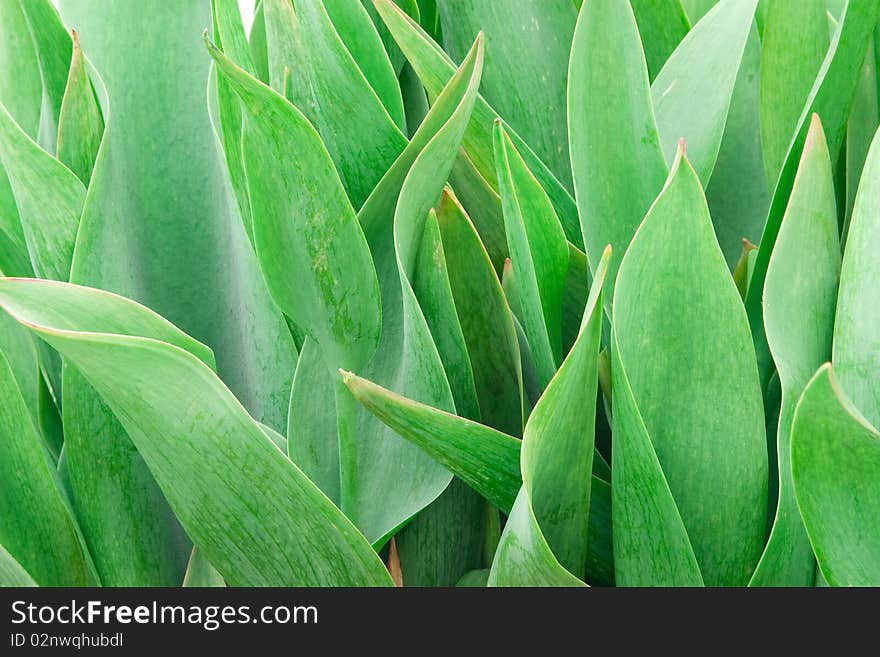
[440,292]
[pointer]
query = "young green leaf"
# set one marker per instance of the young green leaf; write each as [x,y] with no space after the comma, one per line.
[799,299]
[49,198]
[662,26]
[80,123]
[835,459]
[687,356]
[616,159]
[539,253]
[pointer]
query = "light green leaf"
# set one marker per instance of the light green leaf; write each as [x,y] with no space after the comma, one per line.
[21,85]
[861,126]
[705,66]
[11,572]
[794,44]
[215,465]
[799,299]
[49,198]
[616,159]
[687,357]
[80,123]
[200,573]
[857,325]
[835,460]
[539,253]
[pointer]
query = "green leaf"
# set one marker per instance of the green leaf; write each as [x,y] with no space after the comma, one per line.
[486,320]
[215,465]
[311,249]
[835,460]
[799,298]
[257,43]
[662,26]
[161,226]
[794,44]
[356,128]
[537,58]
[80,123]
[705,66]
[545,539]
[831,98]
[616,159]
[36,526]
[358,33]
[857,325]
[434,68]
[11,572]
[21,84]
[687,357]
[49,198]
[539,253]
[53,46]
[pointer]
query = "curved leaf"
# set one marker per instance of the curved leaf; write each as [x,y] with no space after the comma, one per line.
[49,198]
[616,159]
[687,355]
[799,298]
[705,66]
[835,458]
[11,572]
[857,325]
[662,26]
[80,123]
[215,465]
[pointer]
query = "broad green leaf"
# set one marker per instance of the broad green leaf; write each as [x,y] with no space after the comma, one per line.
[662,26]
[486,320]
[311,249]
[161,226]
[539,253]
[474,579]
[80,123]
[546,536]
[536,58]
[434,68]
[215,465]
[705,66]
[354,125]
[36,526]
[688,360]
[11,572]
[257,43]
[49,198]
[616,159]
[799,298]
[794,44]
[358,33]
[696,9]
[737,193]
[53,46]
[857,324]
[200,573]
[412,9]
[21,84]
[835,459]
[831,98]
